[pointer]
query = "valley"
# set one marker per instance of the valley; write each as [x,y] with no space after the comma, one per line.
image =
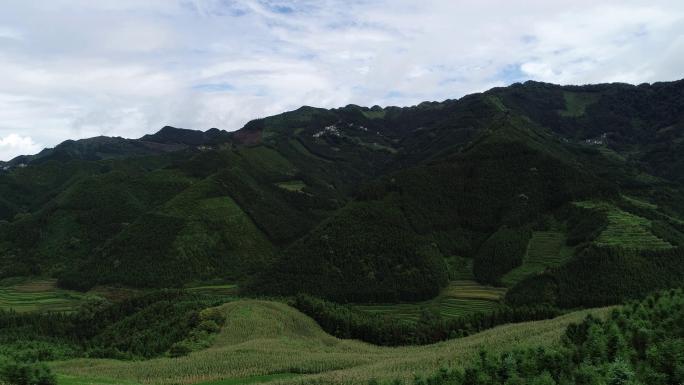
[351,245]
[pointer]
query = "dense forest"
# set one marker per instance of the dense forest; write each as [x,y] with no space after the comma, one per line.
[167,322]
[640,343]
[353,204]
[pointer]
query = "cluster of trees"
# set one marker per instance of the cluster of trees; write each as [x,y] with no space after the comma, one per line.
[344,322]
[17,373]
[601,276]
[500,253]
[646,118]
[365,253]
[583,225]
[143,326]
[386,245]
[640,343]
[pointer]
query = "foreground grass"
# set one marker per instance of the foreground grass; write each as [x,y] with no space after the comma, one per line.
[271,339]
[458,299]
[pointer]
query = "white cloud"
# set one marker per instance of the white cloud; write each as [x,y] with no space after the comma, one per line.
[14,145]
[78,68]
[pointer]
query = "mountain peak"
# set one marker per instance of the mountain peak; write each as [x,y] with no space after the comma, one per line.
[174,135]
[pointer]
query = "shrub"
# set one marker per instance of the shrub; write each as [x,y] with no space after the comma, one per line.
[14,373]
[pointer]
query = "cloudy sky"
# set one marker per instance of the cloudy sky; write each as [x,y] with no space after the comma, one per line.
[80,68]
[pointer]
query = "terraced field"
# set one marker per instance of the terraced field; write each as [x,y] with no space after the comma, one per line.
[227,289]
[546,249]
[269,342]
[458,299]
[37,295]
[624,229]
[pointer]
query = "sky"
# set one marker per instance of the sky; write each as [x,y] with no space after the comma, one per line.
[73,69]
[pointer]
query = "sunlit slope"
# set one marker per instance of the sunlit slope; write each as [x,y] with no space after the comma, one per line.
[267,338]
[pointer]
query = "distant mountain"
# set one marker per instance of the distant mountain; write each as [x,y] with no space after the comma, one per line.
[180,136]
[533,186]
[168,139]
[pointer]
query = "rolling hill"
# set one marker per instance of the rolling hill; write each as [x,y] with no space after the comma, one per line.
[271,342]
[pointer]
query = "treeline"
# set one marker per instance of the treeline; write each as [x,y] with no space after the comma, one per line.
[584,225]
[365,253]
[501,253]
[601,276]
[144,326]
[20,373]
[344,322]
[641,343]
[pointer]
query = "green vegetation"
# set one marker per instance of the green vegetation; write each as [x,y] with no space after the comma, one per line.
[410,218]
[353,258]
[225,290]
[142,326]
[546,250]
[374,114]
[500,253]
[24,295]
[640,203]
[640,343]
[601,276]
[458,299]
[267,338]
[624,229]
[13,373]
[75,380]
[576,103]
[429,327]
[292,185]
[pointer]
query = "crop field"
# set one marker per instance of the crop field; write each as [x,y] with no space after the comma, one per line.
[458,299]
[227,289]
[625,230]
[269,342]
[546,249]
[37,295]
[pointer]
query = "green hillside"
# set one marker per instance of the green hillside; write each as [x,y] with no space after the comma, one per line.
[395,225]
[459,298]
[21,296]
[546,249]
[354,203]
[273,340]
[625,230]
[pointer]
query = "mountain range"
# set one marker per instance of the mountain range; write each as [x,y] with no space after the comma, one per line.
[359,204]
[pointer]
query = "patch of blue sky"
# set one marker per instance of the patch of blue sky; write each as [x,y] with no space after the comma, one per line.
[394,95]
[511,73]
[281,7]
[529,39]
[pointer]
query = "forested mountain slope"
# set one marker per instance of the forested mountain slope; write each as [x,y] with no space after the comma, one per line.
[364,204]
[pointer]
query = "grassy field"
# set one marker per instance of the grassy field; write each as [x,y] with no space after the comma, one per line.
[269,342]
[459,298]
[546,249]
[24,295]
[625,229]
